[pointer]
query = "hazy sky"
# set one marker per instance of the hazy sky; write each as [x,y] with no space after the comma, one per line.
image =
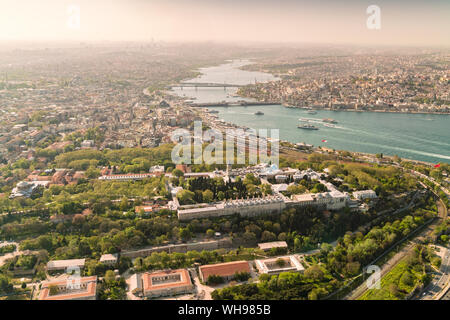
[328,21]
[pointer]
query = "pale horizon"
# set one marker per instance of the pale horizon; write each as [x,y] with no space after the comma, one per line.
[412,23]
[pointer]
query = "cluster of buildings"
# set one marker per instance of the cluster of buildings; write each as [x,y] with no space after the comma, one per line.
[27,189]
[162,283]
[175,282]
[142,124]
[365,82]
[84,288]
[45,178]
[42,117]
[73,286]
[332,199]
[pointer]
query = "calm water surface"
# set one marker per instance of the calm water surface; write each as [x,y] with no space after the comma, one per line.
[424,137]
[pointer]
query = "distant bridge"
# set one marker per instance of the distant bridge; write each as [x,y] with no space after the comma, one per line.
[231,104]
[204,85]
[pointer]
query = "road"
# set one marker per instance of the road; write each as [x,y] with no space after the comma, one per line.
[446,296]
[445,190]
[439,281]
[442,212]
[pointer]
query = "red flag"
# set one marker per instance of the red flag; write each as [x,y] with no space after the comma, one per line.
[437,165]
[324,140]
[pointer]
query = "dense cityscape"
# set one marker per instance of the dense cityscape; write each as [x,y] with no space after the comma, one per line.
[94,204]
[89,183]
[416,83]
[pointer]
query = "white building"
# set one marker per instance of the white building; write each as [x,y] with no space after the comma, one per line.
[87,144]
[63,265]
[308,173]
[280,264]
[266,171]
[281,178]
[279,187]
[109,259]
[175,190]
[157,169]
[245,208]
[128,177]
[365,194]
[332,200]
[266,246]
[26,189]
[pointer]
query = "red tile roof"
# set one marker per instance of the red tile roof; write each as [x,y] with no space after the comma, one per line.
[33,177]
[89,292]
[224,269]
[185,279]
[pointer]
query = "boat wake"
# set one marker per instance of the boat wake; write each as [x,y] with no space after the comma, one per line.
[406,150]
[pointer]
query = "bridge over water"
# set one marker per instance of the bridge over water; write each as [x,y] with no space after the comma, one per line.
[230,104]
[204,85]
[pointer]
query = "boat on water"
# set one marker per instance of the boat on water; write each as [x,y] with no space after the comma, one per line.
[259,113]
[329,125]
[307,127]
[329,120]
[311,112]
[213,111]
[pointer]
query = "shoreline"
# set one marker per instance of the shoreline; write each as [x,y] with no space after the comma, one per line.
[317,149]
[262,103]
[376,111]
[224,104]
[255,102]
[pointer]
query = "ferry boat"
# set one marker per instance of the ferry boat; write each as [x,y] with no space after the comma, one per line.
[307,127]
[329,120]
[259,113]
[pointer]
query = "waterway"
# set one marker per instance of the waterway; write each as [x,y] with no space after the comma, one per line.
[424,137]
